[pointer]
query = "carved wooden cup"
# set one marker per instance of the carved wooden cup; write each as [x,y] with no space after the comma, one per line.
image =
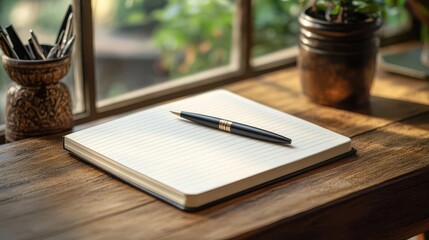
[38,104]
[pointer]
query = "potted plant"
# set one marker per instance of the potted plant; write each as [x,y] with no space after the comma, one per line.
[338,47]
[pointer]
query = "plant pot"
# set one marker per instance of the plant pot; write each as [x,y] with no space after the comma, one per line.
[337,61]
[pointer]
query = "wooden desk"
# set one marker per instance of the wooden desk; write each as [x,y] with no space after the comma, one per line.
[381,193]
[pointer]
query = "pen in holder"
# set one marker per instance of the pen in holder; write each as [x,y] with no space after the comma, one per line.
[37,103]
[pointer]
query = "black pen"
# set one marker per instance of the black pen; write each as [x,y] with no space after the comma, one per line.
[19,48]
[67,32]
[63,25]
[234,127]
[5,45]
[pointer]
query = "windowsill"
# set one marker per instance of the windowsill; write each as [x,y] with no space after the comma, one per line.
[277,60]
[168,87]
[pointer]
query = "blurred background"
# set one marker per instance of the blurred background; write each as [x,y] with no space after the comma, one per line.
[139,43]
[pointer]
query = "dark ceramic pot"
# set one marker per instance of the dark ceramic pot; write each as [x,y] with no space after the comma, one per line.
[337,61]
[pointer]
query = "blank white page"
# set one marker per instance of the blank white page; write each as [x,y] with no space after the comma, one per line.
[194,159]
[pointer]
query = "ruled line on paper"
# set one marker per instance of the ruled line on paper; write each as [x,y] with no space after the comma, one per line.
[227,176]
[228,169]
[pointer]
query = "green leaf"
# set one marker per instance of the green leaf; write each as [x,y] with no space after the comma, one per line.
[336,10]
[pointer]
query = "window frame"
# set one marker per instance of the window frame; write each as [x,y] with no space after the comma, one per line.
[243,67]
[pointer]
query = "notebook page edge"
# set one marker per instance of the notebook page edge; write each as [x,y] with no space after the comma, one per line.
[123,172]
[202,198]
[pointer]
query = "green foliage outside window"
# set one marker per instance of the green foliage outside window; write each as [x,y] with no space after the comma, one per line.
[194,35]
[275,26]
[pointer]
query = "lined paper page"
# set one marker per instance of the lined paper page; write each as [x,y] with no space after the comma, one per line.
[194,159]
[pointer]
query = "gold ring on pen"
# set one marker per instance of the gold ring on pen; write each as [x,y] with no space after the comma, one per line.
[225,125]
[228,126]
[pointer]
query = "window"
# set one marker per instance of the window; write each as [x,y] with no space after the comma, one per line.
[397,21]
[276,31]
[133,53]
[139,44]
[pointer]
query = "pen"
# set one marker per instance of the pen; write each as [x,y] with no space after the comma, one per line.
[37,47]
[34,51]
[19,48]
[234,127]
[29,49]
[5,46]
[67,47]
[53,52]
[67,32]
[63,25]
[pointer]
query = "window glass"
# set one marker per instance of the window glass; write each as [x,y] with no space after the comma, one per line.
[275,25]
[140,43]
[397,20]
[45,18]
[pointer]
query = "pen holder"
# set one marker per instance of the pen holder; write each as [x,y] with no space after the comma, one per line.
[37,103]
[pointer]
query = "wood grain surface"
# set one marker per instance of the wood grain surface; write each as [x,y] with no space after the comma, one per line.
[381,193]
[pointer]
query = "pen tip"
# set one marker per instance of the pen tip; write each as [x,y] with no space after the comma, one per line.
[176,113]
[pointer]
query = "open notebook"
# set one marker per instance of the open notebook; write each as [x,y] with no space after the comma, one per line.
[192,166]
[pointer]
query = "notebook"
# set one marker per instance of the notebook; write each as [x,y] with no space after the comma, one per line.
[407,63]
[192,166]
